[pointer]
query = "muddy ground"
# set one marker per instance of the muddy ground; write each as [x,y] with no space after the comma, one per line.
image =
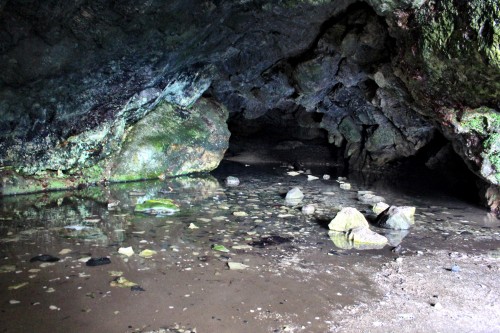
[443,276]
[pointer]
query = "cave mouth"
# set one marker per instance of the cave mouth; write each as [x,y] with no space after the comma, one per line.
[290,138]
[294,140]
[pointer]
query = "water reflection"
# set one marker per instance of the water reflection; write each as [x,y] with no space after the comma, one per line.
[86,216]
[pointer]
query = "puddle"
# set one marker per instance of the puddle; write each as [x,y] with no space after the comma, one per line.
[289,276]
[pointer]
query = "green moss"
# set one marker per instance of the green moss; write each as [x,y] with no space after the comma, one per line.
[157,206]
[482,120]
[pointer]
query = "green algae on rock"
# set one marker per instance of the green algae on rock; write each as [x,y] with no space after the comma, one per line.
[157,206]
[171,141]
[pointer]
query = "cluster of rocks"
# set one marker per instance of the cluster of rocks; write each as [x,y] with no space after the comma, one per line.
[350,228]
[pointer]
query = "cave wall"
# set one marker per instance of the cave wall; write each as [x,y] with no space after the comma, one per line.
[75,78]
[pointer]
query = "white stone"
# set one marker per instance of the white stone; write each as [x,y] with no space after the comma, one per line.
[379,207]
[294,196]
[232,181]
[128,251]
[345,186]
[308,209]
[348,218]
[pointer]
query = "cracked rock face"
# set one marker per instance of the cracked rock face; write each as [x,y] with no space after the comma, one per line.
[376,79]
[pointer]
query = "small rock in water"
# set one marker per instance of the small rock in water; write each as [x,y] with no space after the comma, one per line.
[14,301]
[369,197]
[379,207]
[240,214]
[397,218]
[326,177]
[308,209]
[128,251]
[294,196]
[147,253]
[310,177]
[345,186]
[232,181]
[236,265]
[98,261]
[45,258]
[348,218]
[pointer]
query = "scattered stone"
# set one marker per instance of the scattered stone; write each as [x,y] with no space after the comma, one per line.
[379,207]
[348,218]
[326,177]
[18,286]
[294,196]
[193,226]
[44,258]
[240,214]
[397,218]
[236,265]
[308,209]
[310,177]
[53,308]
[98,261]
[345,186]
[147,253]
[293,173]
[65,251]
[455,268]
[14,301]
[128,251]
[232,181]
[368,197]
[220,248]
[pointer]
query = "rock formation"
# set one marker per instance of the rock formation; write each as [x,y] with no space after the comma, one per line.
[79,82]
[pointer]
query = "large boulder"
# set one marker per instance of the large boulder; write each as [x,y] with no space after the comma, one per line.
[348,218]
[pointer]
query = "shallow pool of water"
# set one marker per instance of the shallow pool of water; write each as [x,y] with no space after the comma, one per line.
[293,274]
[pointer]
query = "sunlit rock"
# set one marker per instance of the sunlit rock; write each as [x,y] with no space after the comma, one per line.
[348,218]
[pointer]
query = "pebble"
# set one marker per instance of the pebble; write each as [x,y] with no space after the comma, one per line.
[345,186]
[308,209]
[326,177]
[232,181]
[14,301]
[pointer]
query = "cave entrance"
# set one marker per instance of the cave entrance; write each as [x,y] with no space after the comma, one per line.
[287,137]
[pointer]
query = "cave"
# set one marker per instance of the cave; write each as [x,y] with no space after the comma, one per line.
[222,165]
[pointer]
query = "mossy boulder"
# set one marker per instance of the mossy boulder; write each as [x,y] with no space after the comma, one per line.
[172,141]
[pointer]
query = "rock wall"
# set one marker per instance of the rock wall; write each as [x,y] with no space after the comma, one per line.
[76,78]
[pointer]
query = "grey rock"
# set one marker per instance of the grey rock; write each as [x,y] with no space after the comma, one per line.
[232,181]
[397,218]
[294,196]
